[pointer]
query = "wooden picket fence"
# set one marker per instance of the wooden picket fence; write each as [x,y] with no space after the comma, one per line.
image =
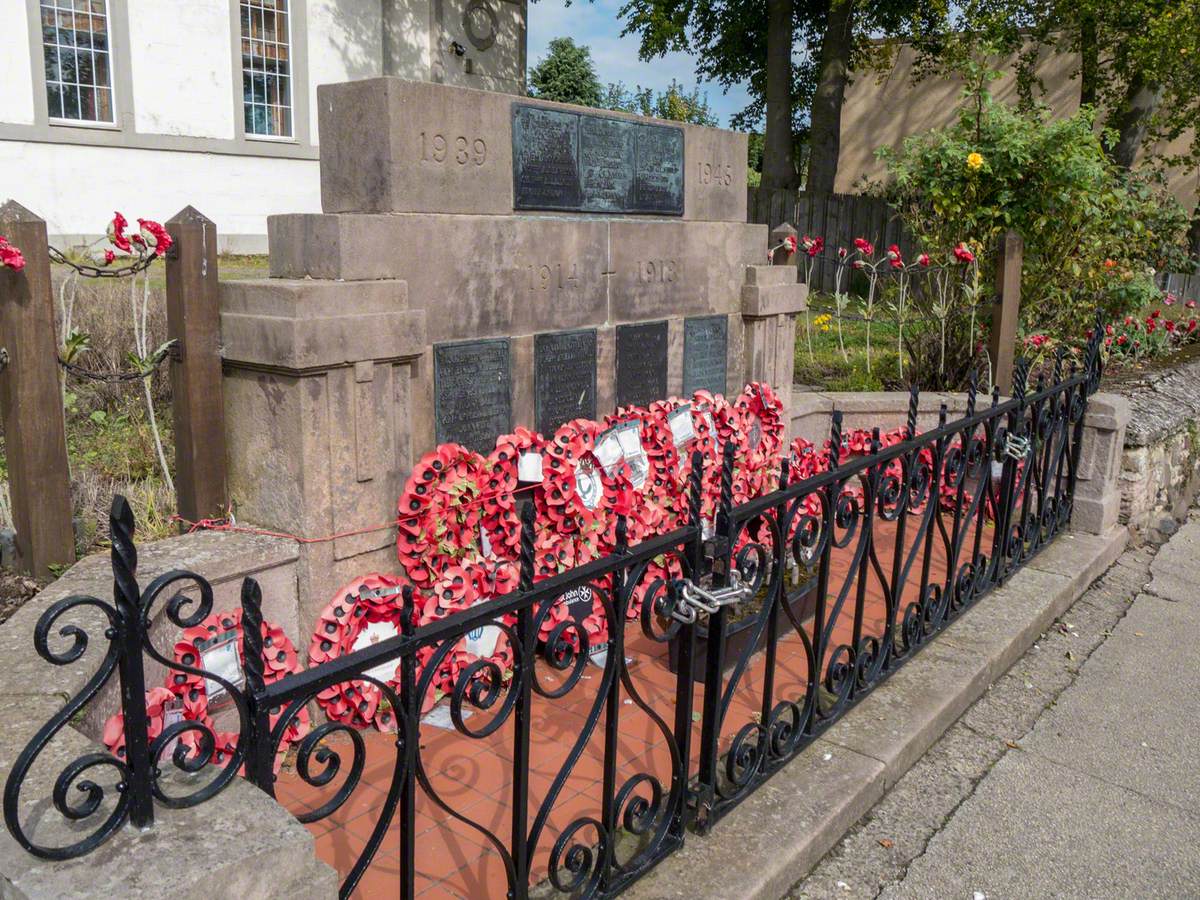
[31,401]
[838,218]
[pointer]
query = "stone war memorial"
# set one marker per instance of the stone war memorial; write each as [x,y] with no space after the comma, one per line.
[483,262]
[539,565]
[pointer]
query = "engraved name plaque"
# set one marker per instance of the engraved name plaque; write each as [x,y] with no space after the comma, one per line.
[705,354]
[641,363]
[564,374]
[472,392]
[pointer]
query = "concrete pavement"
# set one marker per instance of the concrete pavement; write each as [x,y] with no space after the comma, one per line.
[1071,778]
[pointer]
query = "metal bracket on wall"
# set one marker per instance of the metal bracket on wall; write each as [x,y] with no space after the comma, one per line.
[3,358]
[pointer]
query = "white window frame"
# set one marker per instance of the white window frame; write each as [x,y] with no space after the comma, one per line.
[292,105]
[111,123]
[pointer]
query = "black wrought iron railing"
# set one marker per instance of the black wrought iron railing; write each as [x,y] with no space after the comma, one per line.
[604,748]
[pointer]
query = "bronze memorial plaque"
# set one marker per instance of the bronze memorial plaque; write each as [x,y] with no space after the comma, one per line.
[705,354]
[580,162]
[641,363]
[472,392]
[564,377]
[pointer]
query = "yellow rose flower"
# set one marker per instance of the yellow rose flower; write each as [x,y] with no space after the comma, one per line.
[975,161]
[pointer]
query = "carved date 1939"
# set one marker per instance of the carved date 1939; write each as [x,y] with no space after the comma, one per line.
[462,150]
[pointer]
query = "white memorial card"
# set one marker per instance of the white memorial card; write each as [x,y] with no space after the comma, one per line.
[608,450]
[374,633]
[220,657]
[682,429]
[529,467]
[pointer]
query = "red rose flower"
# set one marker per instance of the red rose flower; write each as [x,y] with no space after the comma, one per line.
[1190,304]
[864,246]
[1122,341]
[790,243]
[963,253]
[116,233]
[155,236]
[924,260]
[1108,329]
[10,256]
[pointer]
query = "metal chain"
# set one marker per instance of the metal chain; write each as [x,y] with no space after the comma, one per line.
[90,271]
[122,377]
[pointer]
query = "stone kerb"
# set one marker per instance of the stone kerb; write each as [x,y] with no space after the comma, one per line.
[394,146]
[228,841]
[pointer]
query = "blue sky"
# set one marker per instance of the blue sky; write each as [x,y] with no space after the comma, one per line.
[598,25]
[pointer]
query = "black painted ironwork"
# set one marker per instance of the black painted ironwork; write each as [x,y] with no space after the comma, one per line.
[983,494]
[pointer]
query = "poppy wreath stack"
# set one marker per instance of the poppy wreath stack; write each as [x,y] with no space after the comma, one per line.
[220,629]
[441,513]
[517,458]
[361,613]
[457,590]
[724,425]
[761,412]
[673,463]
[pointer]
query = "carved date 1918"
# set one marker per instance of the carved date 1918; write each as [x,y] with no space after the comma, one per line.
[462,150]
[658,271]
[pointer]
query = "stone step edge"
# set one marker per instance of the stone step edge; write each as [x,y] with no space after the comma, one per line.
[781,831]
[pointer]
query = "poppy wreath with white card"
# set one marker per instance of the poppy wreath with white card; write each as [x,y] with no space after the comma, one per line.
[440,513]
[515,463]
[719,421]
[364,612]
[457,590]
[163,708]
[215,645]
[581,497]
[670,441]
[652,464]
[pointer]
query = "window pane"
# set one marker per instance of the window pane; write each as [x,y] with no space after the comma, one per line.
[78,71]
[70,101]
[54,100]
[266,71]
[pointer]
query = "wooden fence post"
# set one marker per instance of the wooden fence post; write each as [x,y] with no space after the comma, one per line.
[780,255]
[31,404]
[194,320]
[1006,309]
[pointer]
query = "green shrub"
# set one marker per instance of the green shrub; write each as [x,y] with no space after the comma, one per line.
[1093,234]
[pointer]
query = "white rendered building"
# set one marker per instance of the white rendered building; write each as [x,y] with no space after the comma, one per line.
[147,106]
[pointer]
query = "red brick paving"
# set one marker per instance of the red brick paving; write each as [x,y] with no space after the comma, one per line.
[474,777]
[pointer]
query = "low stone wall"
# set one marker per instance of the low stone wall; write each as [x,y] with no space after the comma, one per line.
[1160,465]
[1097,493]
[221,847]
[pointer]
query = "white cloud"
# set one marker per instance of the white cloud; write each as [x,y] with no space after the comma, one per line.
[598,25]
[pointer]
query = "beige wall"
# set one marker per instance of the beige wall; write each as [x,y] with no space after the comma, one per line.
[882,109]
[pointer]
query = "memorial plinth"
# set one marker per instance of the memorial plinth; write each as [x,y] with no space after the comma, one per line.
[484,261]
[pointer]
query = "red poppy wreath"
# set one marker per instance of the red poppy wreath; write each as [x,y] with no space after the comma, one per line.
[457,590]
[364,612]
[440,513]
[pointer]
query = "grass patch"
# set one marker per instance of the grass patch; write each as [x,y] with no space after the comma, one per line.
[828,368]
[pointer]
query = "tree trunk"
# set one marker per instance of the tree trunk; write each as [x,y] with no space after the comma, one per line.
[1132,119]
[1193,239]
[779,164]
[1089,61]
[826,128]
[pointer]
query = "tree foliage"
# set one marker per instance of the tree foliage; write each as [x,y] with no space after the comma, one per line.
[675,103]
[566,75]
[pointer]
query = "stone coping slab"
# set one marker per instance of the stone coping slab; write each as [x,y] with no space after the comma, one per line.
[222,847]
[779,832]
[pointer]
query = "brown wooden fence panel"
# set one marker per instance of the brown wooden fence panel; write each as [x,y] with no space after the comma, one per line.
[838,218]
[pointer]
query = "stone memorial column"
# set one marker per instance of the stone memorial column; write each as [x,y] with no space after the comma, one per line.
[771,298]
[318,385]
